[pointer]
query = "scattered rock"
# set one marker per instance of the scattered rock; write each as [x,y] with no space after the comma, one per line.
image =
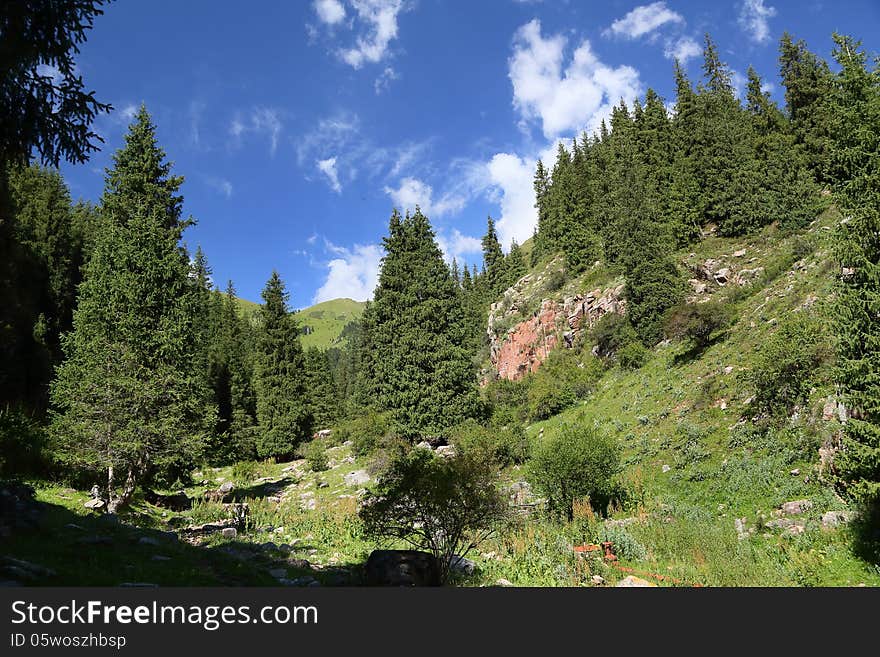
[278,573]
[462,566]
[356,478]
[795,472]
[94,503]
[728,369]
[25,569]
[148,540]
[323,484]
[229,532]
[226,487]
[323,433]
[796,507]
[446,451]
[633,581]
[698,286]
[424,445]
[666,468]
[832,519]
[740,526]
[739,254]
[722,276]
[401,568]
[503,582]
[597,580]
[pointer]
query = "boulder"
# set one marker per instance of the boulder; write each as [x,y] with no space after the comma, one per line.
[94,503]
[356,478]
[722,276]
[832,519]
[796,507]
[226,487]
[462,566]
[401,568]
[446,451]
[503,582]
[229,532]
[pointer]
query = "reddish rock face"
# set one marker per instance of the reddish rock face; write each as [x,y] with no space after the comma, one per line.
[524,347]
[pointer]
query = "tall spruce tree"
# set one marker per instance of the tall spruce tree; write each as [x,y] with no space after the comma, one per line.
[418,368]
[323,395]
[283,407]
[855,167]
[130,400]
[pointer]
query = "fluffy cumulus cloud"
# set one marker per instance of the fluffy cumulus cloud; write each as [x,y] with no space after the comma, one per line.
[412,192]
[352,274]
[643,20]
[570,98]
[458,246]
[682,49]
[329,12]
[754,18]
[328,168]
[511,178]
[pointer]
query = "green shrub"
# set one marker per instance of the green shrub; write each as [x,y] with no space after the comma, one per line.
[624,544]
[446,506]
[368,432]
[244,472]
[633,356]
[555,281]
[613,332]
[789,363]
[316,455]
[504,443]
[698,322]
[575,462]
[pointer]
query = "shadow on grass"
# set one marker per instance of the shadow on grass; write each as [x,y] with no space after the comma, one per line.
[865,531]
[696,350]
[64,548]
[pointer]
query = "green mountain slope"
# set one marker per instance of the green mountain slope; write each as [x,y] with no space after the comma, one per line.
[322,324]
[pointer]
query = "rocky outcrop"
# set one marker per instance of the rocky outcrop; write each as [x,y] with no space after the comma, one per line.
[523,347]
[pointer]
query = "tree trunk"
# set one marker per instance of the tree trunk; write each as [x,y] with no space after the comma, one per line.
[120,501]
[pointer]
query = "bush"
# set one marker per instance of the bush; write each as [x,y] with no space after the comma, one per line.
[698,322]
[244,472]
[368,432]
[625,545]
[446,506]
[788,363]
[576,462]
[613,332]
[316,455]
[505,443]
[633,356]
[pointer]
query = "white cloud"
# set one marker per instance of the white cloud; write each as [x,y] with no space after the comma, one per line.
[457,245]
[412,192]
[642,20]
[330,12]
[259,121]
[767,87]
[328,168]
[739,82]
[331,134]
[754,19]
[353,274]
[49,71]
[378,22]
[682,49]
[383,82]
[565,100]
[511,177]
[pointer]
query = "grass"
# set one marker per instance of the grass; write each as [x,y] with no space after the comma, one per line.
[323,323]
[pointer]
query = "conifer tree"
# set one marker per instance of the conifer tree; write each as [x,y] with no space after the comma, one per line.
[493,260]
[855,167]
[130,400]
[322,391]
[283,406]
[419,369]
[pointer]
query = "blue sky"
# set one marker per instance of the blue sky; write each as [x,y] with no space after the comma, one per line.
[299,125]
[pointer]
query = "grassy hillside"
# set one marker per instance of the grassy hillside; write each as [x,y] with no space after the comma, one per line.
[322,323]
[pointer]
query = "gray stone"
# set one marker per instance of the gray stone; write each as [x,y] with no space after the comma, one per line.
[425,445]
[796,507]
[597,580]
[446,451]
[461,565]
[666,468]
[94,503]
[740,526]
[401,568]
[278,573]
[503,582]
[226,487]
[356,478]
[832,519]
[636,582]
[148,540]
[229,532]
